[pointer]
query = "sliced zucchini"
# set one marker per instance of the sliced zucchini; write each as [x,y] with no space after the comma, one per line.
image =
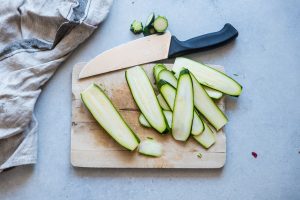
[169,93]
[160,24]
[136,27]
[163,104]
[183,112]
[150,20]
[170,78]
[207,107]
[215,94]
[207,138]
[167,76]
[156,69]
[143,121]
[150,147]
[148,31]
[145,98]
[108,117]
[208,76]
[168,115]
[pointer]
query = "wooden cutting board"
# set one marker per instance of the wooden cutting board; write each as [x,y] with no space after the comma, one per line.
[91,146]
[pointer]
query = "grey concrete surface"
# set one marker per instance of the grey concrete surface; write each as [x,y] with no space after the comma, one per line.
[264,119]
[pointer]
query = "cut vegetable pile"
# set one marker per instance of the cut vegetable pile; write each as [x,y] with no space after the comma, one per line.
[185,105]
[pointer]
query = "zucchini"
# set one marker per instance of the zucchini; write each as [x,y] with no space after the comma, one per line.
[208,76]
[148,31]
[145,98]
[168,115]
[150,20]
[183,111]
[207,107]
[163,104]
[156,69]
[215,94]
[207,138]
[170,78]
[150,147]
[136,27]
[169,93]
[160,24]
[108,117]
[167,76]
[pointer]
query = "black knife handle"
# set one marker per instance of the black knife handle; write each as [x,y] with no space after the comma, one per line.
[203,42]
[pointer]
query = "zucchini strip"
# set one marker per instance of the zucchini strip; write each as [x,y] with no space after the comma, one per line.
[183,111]
[168,115]
[145,98]
[168,76]
[208,76]
[169,93]
[207,107]
[163,104]
[108,117]
[156,69]
[207,138]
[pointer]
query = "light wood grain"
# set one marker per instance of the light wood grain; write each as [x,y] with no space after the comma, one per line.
[91,146]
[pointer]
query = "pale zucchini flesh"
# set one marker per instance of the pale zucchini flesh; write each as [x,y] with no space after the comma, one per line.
[183,112]
[168,76]
[206,138]
[145,98]
[207,107]
[168,115]
[156,69]
[169,93]
[150,147]
[208,76]
[108,117]
[163,104]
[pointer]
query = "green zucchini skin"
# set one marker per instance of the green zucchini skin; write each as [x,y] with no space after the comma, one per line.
[156,69]
[183,111]
[209,76]
[207,107]
[135,139]
[142,74]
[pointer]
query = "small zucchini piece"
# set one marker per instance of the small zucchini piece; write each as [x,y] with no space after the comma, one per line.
[183,111]
[163,104]
[167,76]
[207,138]
[150,147]
[168,115]
[160,24]
[215,94]
[108,117]
[136,27]
[145,98]
[150,20]
[156,69]
[207,107]
[169,92]
[148,31]
[208,76]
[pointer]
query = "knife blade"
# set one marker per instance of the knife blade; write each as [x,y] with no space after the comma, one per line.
[153,48]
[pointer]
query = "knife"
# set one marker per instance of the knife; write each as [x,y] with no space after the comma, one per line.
[153,48]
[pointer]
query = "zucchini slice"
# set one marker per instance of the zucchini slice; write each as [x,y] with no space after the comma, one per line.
[215,94]
[145,98]
[168,115]
[169,93]
[108,117]
[170,78]
[150,147]
[183,111]
[136,27]
[156,69]
[208,76]
[207,138]
[207,107]
[163,104]
[160,24]
[167,76]
[150,20]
